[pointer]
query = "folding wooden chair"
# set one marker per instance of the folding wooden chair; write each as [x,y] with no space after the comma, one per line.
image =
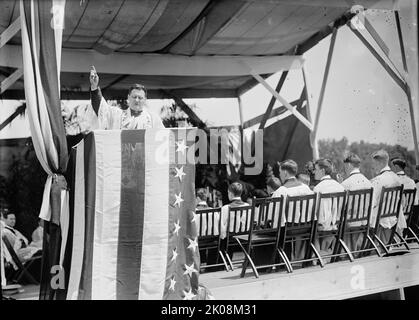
[238,223]
[22,268]
[336,202]
[356,222]
[299,225]
[263,231]
[390,206]
[408,205]
[208,227]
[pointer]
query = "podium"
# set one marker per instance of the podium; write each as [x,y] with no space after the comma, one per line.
[133,234]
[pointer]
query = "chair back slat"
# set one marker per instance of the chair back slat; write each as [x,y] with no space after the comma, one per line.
[271,209]
[362,201]
[208,222]
[390,202]
[408,201]
[335,202]
[238,221]
[302,209]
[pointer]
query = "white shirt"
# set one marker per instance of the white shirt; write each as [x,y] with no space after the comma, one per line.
[114,118]
[328,213]
[408,184]
[386,178]
[301,190]
[357,181]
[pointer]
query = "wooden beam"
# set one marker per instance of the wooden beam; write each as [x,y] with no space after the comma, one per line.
[340,280]
[10,32]
[250,84]
[271,104]
[276,112]
[240,106]
[283,101]
[397,294]
[19,110]
[400,82]
[380,42]
[195,120]
[408,92]
[324,82]
[320,35]
[114,94]
[10,80]
[310,103]
[385,5]
[80,60]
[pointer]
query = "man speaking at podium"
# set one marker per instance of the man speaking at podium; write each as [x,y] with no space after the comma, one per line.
[137,116]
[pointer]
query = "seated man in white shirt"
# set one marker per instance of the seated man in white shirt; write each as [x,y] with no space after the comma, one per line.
[355,181]
[16,239]
[235,191]
[328,213]
[20,243]
[385,178]
[408,183]
[292,187]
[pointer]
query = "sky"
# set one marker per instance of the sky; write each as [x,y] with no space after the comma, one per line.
[361,101]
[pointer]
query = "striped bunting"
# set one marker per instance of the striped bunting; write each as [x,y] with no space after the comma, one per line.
[134,236]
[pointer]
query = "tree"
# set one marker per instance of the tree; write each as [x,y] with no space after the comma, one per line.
[336,150]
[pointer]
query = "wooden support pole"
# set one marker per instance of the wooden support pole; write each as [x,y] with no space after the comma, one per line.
[323,87]
[397,294]
[276,112]
[10,80]
[195,120]
[10,32]
[313,140]
[273,99]
[283,101]
[17,112]
[400,82]
[240,105]
[380,42]
[408,92]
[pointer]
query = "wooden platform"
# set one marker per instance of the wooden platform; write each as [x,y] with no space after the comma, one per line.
[340,280]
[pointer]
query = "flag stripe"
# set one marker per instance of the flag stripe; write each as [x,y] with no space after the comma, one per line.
[78,225]
[105,248]
[90,186]
[187,255]
[50,81]
[131,217]
[173,244]
[156,212]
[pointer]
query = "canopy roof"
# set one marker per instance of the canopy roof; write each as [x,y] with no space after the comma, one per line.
[195,48]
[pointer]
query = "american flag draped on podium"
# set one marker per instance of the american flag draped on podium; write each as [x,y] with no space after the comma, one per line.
[133,233]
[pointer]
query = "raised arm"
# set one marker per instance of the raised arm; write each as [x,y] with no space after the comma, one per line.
[95,93]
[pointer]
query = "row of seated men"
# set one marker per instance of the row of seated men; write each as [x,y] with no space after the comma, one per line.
[326,219]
